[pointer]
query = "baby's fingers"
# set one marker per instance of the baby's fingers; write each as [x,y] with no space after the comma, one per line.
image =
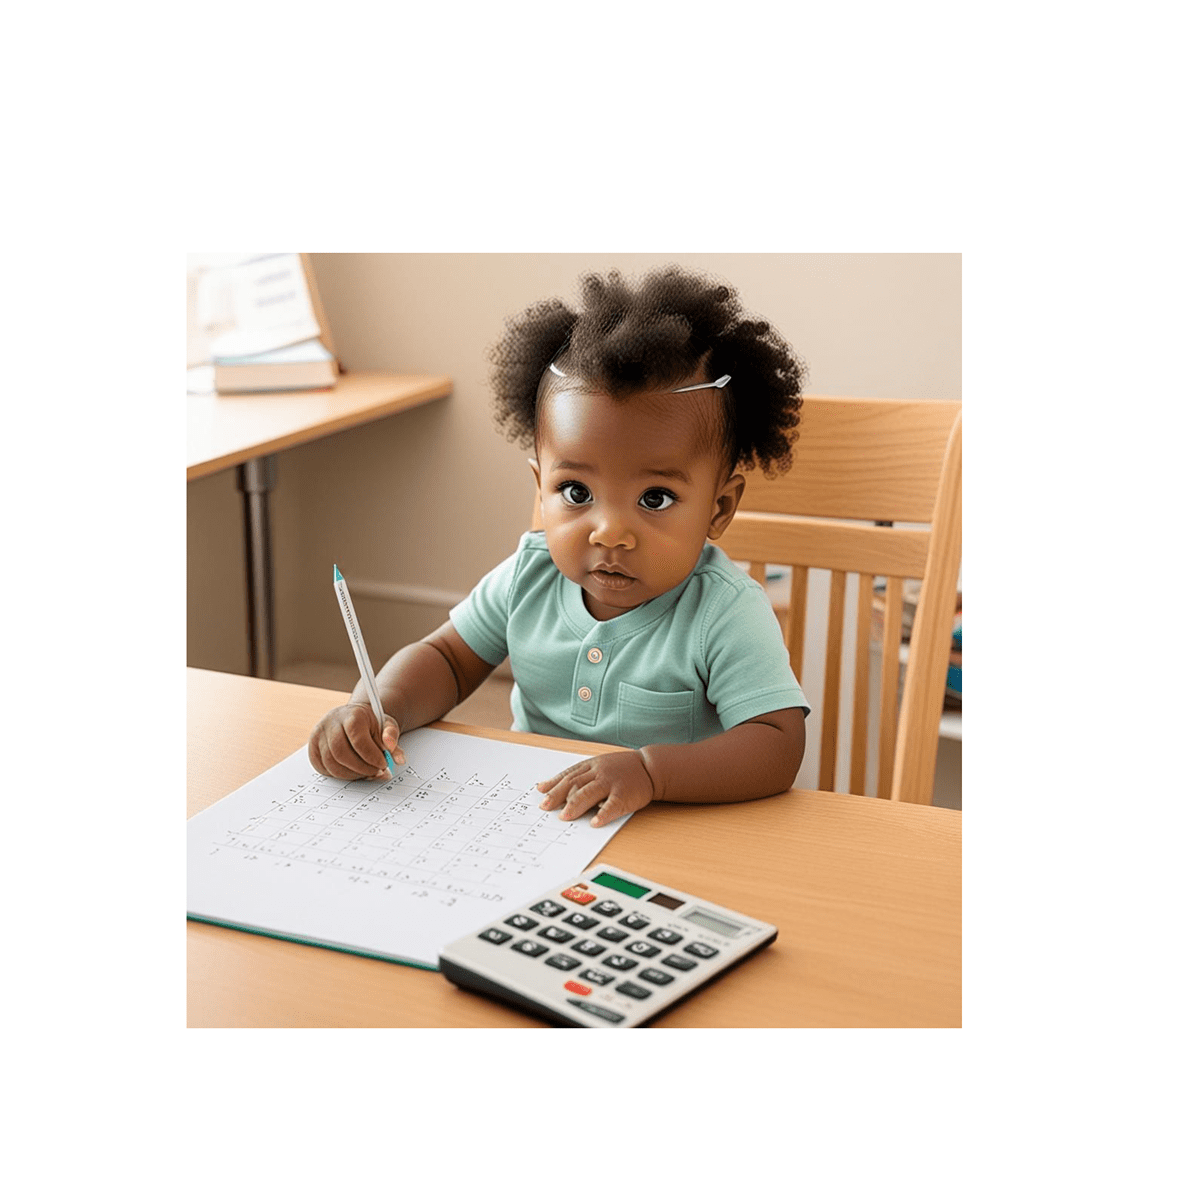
[583,798]
[561,784]
[352,751]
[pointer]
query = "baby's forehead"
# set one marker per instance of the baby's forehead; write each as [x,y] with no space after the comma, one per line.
[579,413]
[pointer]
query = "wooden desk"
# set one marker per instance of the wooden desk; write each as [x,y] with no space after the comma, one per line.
[866,894]
[246,430]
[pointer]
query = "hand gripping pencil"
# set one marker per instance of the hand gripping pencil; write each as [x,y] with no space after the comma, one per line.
[360,653]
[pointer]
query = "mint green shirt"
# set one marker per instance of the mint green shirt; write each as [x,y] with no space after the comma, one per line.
[691,663]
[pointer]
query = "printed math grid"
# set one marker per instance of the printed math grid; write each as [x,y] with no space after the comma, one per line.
[392,868]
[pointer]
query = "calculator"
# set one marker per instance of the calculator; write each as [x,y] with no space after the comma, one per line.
[605,949]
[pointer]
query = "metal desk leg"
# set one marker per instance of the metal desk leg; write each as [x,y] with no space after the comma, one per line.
[256,478]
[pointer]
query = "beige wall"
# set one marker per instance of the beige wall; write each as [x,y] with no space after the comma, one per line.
[418,506]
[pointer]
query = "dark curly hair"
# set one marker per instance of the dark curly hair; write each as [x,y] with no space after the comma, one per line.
[674,326]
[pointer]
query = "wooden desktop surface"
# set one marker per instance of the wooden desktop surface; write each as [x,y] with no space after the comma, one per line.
[226,430]
[866,894]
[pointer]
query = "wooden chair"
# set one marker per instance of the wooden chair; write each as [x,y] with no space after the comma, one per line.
[858,467]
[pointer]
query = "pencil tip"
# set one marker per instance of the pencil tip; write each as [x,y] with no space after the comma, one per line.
[336,573]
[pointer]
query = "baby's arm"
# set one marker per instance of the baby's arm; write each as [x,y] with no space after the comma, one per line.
[418,684]
[758,758]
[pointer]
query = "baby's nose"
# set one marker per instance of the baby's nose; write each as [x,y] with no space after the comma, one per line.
[610,530]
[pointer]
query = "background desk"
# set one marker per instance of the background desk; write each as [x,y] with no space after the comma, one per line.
[866,894]
[246,430]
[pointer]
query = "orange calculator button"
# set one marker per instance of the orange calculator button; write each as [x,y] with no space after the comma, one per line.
[580,989]
[579,894]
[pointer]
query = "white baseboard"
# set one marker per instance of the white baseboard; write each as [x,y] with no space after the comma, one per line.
[405,593]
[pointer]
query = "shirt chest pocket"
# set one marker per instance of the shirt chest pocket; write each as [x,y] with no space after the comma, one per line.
[645,717]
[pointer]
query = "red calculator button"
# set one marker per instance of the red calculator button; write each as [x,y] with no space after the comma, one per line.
[579,894]
[580,989]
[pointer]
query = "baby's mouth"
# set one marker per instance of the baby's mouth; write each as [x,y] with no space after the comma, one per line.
[611,576]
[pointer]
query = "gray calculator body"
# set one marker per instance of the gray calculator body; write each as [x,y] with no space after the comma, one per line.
[607,949]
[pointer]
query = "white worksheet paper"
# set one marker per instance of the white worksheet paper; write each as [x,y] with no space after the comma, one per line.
[394,869]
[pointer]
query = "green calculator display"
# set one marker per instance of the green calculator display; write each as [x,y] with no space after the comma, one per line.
[607,949]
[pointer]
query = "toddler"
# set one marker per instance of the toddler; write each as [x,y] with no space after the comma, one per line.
[623,621]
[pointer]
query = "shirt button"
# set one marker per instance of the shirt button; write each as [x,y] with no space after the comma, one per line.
[595,655]
[585,693]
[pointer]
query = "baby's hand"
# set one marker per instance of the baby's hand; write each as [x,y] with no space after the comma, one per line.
[618,782]
[345,743]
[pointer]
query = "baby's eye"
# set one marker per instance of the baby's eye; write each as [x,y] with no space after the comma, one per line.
[656,499]
[574,493]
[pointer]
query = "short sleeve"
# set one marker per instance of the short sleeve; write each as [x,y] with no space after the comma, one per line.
[481,620]
[748,669]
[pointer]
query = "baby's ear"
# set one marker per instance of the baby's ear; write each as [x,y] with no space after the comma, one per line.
[725,505]
[537,475]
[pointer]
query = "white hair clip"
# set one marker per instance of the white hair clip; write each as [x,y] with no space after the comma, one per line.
[695,387]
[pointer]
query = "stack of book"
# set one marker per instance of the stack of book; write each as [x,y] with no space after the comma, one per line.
[285,369]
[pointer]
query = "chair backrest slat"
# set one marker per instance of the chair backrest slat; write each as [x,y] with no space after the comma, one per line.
[794,622]
[833,681]
[889,682]
[862,669]
[759,537]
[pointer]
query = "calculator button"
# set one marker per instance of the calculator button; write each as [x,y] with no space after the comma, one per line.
[619,962]
[611,934]
[579,894]
[635,990]
[521,921]
[553,934]
[607,908]
[605,1014]
[578,919]
[588,947]
[573,985]
[635,921]
[597,977]
[665,936]
[678,962]
[643,948]
[700,950]
[496,936]
[659,977]
[547,908]
[530,947]
[562,962]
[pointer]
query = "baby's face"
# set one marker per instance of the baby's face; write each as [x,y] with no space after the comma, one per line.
[629,493]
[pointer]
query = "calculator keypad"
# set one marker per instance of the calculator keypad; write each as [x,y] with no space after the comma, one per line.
[551,941]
